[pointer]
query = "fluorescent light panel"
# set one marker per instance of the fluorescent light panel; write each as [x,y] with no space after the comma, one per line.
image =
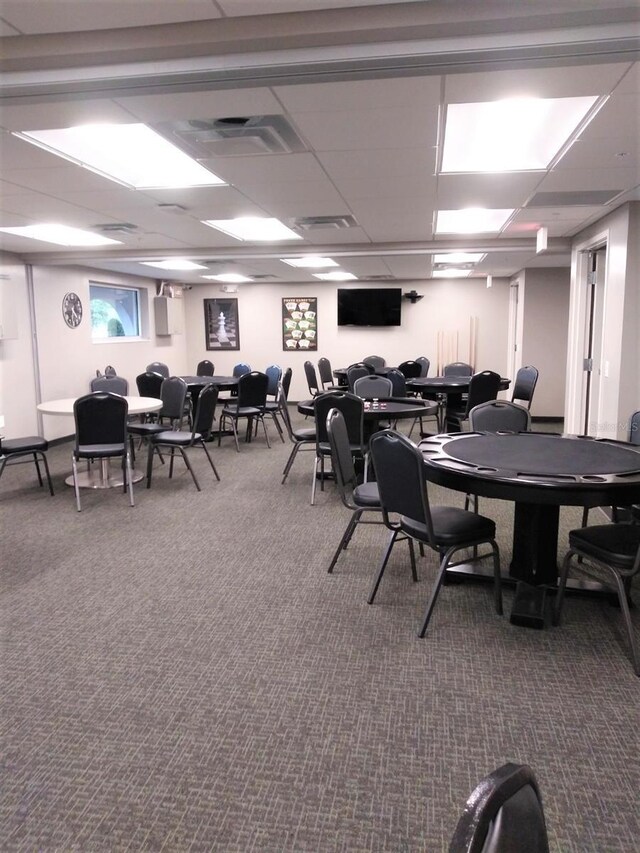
[131,154]
[459,258]
[310,262]
[229,277]
[253,228]
[174,264]
[338,275]
[61,235]
[472,220]
[512,135]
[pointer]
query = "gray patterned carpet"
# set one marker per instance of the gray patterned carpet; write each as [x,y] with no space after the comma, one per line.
[186,676]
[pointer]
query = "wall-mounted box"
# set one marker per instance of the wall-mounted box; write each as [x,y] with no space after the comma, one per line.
[168,315]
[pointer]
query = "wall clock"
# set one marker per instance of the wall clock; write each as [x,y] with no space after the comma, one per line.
[72,310]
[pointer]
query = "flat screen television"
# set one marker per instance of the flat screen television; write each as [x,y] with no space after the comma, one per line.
[369,306]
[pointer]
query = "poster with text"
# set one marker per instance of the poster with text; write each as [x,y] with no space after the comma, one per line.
[221,329]
[300,323]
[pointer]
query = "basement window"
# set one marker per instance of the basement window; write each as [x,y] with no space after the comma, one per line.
[115,312]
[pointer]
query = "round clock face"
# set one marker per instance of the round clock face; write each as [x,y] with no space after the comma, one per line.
[72,310]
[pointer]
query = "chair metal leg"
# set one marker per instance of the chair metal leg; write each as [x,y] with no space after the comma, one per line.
[385,560]
[346,536]
[74,466]
[213,467]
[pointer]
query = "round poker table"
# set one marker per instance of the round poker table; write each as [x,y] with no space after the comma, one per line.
[391,409]
[539,472]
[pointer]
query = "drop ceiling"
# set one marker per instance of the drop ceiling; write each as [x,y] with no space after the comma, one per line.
[370,134]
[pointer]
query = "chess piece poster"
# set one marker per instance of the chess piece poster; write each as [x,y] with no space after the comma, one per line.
[300,323]
[221,327]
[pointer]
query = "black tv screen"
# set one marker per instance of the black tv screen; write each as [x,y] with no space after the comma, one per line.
[369,306]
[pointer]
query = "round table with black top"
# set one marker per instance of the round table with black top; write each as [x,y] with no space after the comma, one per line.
[539,472]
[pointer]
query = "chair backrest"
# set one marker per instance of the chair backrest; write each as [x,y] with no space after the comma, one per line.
[274,374]
[325,371]
[158,367]
[399,468]
[498,416]
[240,369]
[111,383]
[504,814]
[205,368]
[634,428]
[425,364]
[483,386]
[110,371]
[373,387]
[375,361]
[173,393]
[352,409]
[312,379]
[457,368]
[341,458]
[410,369]
[398,382]
[252,389]
[205,411]
[355,372]
[100,418]
[149,384]
[286,382]
[525,385]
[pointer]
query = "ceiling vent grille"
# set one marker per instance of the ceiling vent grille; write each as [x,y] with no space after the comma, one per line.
[116,228]
[308,223]
[236,136]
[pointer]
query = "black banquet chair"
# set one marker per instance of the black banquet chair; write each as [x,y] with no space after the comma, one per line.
[101,433]
[182,440]
[16,449]
[360,499]
[525,385]
[251,403]
[504,814]
[483,386]
[615,549]
[399,470]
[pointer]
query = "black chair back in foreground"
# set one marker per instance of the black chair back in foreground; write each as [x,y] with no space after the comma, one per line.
[457,368]
[101,433]
[112,384]
[158,367]
[399,469]
[352,408]
[358,498]
[525,385]
[312,379]
[504,814]
[251,402]
[483,386]
[181,440]
[614,548]
[205,368]
[13,449]
[499,416]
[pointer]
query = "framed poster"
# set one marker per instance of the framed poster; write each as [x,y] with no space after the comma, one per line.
[300,323]
[221,329]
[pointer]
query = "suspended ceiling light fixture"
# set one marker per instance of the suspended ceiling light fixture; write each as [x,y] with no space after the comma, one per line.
[510,135]
[61,235]
[253,228]
[130,154]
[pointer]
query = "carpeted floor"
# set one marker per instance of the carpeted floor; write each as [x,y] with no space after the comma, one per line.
[185,676]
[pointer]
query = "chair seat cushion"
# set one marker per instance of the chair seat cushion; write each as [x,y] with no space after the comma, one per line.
[614,544]
[177,437]
[95,451]
[306,434]
[367,495]
[451,526]
[23,445]
[145,429]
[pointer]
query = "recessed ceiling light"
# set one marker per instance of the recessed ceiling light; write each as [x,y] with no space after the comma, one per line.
[174,264]
[459,258]
[451,272]
[338,275]
[132,154]
[516,134]
[229,277]
[310,262]
[253,228]
[61,235]
[471,220]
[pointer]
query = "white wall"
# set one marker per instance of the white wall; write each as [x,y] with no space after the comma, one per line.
[544,303]
[447,306]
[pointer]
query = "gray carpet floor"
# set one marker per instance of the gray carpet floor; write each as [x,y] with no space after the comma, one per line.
[184,675]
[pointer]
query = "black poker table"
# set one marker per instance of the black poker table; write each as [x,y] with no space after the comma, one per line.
[539,472]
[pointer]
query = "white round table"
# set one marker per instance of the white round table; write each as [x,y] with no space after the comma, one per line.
[102,478]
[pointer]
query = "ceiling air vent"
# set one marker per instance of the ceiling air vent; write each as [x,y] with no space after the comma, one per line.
[116,228]
[307,223]
[235,136]
[573,199]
